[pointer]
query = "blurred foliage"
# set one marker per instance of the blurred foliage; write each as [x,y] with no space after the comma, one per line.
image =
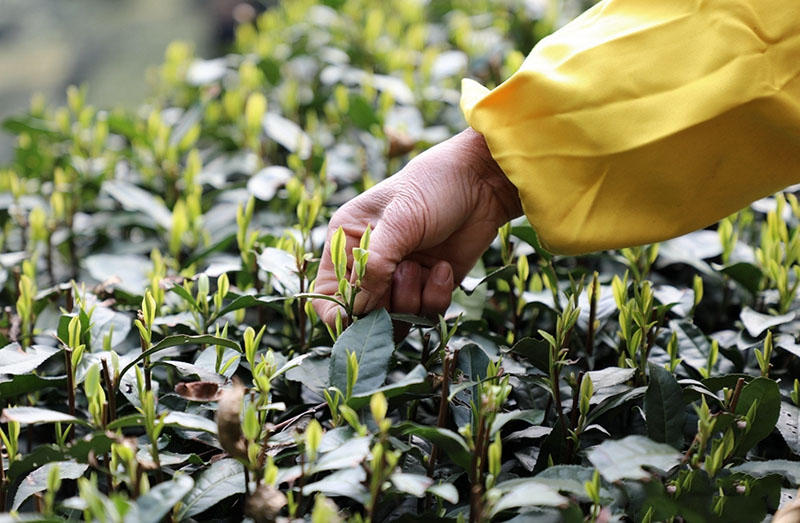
[162,359]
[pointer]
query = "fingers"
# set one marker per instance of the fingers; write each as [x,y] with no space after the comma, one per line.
[407,288]
[422,291]
[438,290]
[326,282]
[389,245]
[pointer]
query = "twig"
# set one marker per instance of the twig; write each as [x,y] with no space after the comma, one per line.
[110,391]
[573,415]
[736,393]
[476,478]
[70,388]
[592,316]
[443,407]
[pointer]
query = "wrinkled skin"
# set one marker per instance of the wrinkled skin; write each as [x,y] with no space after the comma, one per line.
[431,222]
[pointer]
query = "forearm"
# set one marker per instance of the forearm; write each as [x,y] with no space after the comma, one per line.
[475,152]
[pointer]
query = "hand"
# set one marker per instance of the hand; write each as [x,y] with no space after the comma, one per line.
[431,222]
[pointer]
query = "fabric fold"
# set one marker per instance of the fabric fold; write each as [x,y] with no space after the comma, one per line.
[643,120]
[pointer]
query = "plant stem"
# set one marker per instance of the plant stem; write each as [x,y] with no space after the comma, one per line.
[376,481]
[515,317]
[302,481]
[443,407]
[476,476]
[426,349]
[137,484]
[736,392]
[110,392]
[156,459]
[262,317]
[146,365]
[573,418]
[70,388]
[3,480]
[73,256]
[49,258]
[69,304]
[109,477]
[555,371]
[282,425]
[592,317]
[301,310]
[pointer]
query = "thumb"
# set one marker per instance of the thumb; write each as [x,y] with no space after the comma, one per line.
[388,246]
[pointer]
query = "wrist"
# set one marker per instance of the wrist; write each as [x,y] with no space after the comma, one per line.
[487,171]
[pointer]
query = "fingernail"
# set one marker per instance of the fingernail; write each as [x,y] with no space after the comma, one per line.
[361,301]
[402,269]
[441,274]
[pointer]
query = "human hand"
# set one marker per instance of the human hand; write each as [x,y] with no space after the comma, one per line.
[431,222]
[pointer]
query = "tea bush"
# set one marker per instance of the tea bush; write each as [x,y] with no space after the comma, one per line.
[162,359]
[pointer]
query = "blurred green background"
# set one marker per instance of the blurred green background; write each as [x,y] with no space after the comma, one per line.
[108,45]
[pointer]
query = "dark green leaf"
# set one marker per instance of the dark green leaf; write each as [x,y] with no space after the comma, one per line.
[571,479]
[27,383]
[450,442]
[36,481]
[96,444]
[159,500]
[15,361]
[756,323]
[610,376]
[526,493]
[468,285]
[664,408]
[282,267]
[178,340]
[554,448]
[624,458]
[134,199]
[758,469]
[126,272]
[348,455]
[347,482]
[528,234]
[768,395]
[693,346]
[34,415]
[535,351]
[789,426]
[247,301]
[370,338]
[361,113]
[30,125]
[532,417]
[223,479]
[415,380]
[746,274]
[312,372]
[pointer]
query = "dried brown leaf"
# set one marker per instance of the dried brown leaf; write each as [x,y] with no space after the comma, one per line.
[229,426]
[199,390]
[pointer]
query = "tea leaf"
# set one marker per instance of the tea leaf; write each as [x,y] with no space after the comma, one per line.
[664,408]
[223,479]
[34,415]
[159,500]
[767,393]
[789,426]
[624,459]
[370,339]
[15,361]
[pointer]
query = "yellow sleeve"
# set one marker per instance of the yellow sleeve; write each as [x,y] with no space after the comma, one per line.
[646,119]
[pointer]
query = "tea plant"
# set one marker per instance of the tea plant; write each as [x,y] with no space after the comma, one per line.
[161,358]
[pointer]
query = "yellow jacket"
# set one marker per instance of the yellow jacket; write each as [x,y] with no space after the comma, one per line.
[646,119]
